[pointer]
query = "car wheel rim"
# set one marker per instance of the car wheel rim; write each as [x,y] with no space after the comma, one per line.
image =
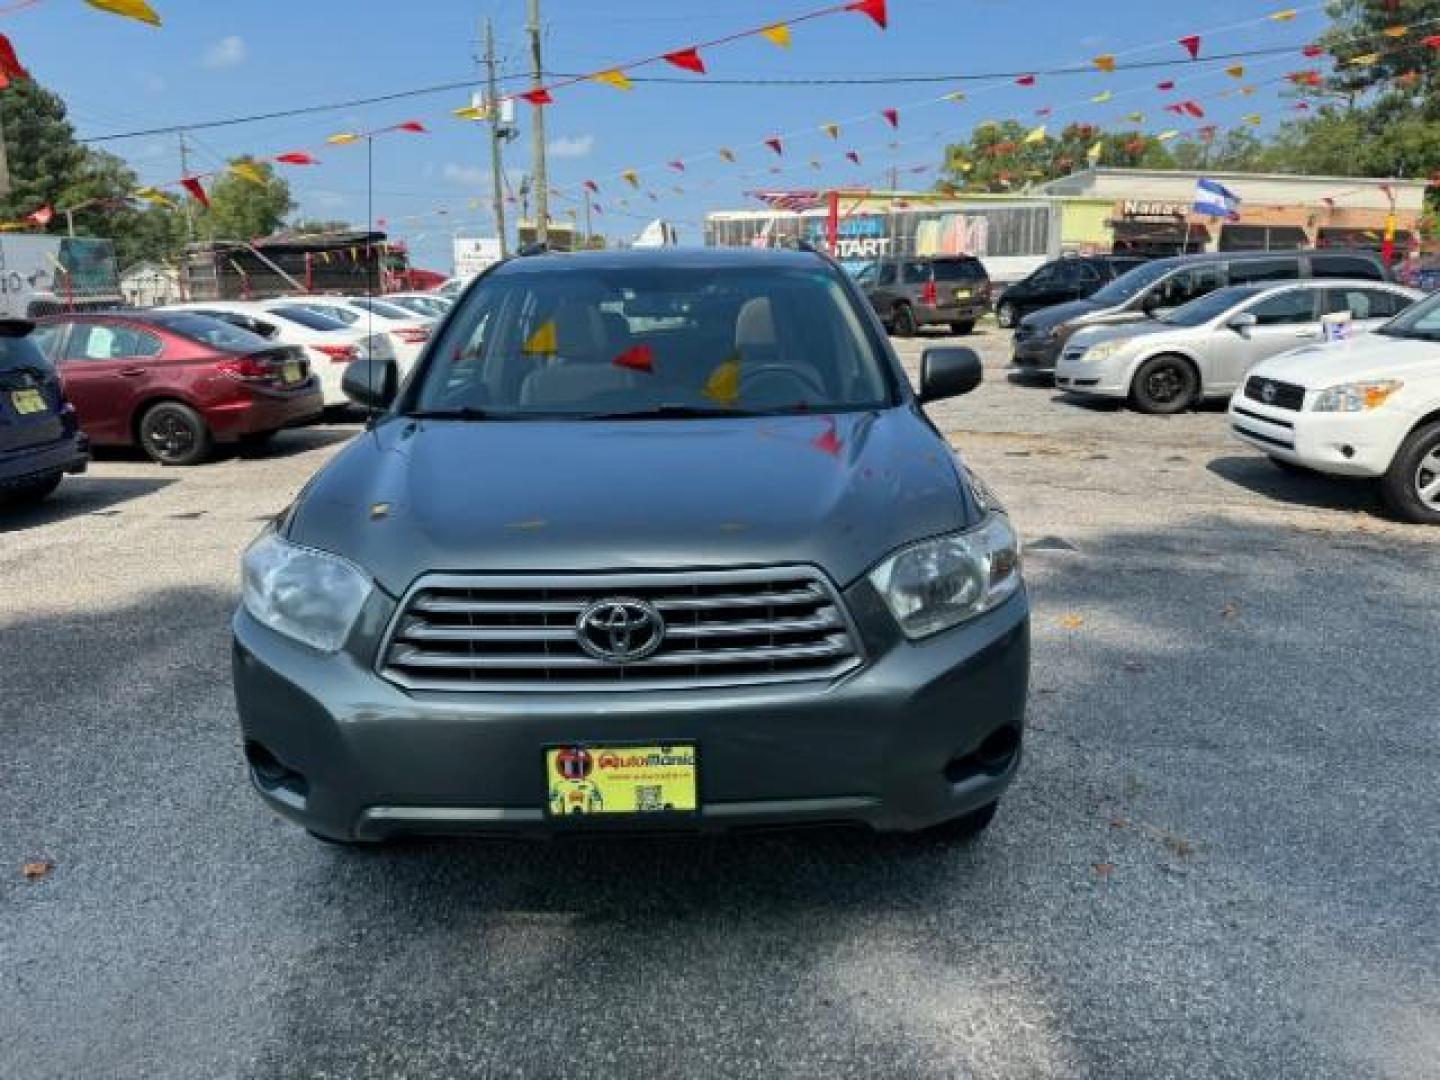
[170,436]
[1164,385]
[1427,479]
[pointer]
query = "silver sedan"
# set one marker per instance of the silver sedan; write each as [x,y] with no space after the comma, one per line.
[1204,348]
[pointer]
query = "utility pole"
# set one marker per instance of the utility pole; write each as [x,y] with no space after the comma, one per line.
[537,129]
[497,178]
[587,219]
[185,171]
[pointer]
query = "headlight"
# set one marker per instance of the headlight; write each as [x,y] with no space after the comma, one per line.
[936,584]
[1356,396]
[308,595]
[1104,350]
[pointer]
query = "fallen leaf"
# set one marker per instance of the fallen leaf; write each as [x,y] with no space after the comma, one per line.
[1072,621]
[37,869]
[1102,869]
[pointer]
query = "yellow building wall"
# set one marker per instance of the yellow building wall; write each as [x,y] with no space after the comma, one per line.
[1085,223]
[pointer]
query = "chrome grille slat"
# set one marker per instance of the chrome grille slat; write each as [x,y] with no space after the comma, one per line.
[518,632]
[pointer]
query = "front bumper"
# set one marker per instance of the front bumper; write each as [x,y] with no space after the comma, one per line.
[1106,378]
[1037,353]
[1344,444]
[924,732]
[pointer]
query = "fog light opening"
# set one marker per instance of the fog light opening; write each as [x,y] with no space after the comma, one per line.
[991,758]
[271,774]
[1348,451]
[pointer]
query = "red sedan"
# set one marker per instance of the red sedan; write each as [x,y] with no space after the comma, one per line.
[177,383]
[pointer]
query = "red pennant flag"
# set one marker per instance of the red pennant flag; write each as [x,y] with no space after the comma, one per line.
[1134,146]
[196,190]
[638,358]
[1168,84]
[298,157]
[10,66]
[1186,108]
[892,117]
[413,125]
[828,441]
[1313,51]
[689,59]
[1208,132]
[41,217]
[593,186]
[775,144]
[678,166]
[1191,44]
[1025,80]
[539,96]
[1431,42]
[1302,106]
[874,8]
[1311,77]
[853,157]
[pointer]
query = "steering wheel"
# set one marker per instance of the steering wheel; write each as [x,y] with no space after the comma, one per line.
[807,381]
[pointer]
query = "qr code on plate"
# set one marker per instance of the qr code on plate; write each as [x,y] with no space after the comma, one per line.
[648,798]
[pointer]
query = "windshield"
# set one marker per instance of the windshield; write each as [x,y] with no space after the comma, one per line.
[1421,322]
[211,331]
[640,340]
[1211,305]
[1131,284]
[311,320]
[19,352]
[383,309]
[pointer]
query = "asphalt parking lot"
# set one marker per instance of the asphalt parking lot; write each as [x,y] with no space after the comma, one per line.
[1220,859]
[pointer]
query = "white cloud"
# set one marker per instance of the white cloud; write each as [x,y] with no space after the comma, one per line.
[469,175]
[571,147]
[228,52]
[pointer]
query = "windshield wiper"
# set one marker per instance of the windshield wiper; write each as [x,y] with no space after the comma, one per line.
[463,413]
[676,412]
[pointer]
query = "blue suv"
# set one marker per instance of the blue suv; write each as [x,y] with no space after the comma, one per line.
[40,438]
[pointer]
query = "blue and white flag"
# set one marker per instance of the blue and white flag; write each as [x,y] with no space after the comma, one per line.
[1214,199]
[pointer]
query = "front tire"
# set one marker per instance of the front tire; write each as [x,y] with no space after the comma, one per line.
[1164,385]
[1411,486]
[1006,315]
[175,434]
[904,321]
[963,327]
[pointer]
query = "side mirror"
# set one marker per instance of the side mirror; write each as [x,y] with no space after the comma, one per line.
[1243,323]
[371,382]
[949,372]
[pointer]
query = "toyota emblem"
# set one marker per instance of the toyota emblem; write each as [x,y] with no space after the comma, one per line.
[1267,393]
[620,630]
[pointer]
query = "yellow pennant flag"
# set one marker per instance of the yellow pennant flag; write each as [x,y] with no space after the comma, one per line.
[833,130]
[471,112]
[130,9]
[726,153]
[955,95]
[614,77]
[1135,118]
[1102,97]
[1395,31]
[1253,119]
[343,138]
[1363,61]
[1248,90]
[1105,62]
[246,171]
[1166,136]
[1095,151]
[543,341]
[1035,136]
[631,177]
[1236,71]
[966,166]
[1287,15]
[723,385]
[154,196]
[779,34]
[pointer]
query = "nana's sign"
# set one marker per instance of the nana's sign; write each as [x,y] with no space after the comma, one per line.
[1143,210]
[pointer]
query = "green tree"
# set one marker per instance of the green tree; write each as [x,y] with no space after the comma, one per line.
[1357,30]
[998,158]
[241,209]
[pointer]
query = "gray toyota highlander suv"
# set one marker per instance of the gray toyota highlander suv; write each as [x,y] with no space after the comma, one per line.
[654,539]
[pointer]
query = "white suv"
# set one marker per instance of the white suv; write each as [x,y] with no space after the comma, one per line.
[1368,407]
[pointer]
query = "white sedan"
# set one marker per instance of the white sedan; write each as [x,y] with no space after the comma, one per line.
[1368,407]
[406,331]
[330,345]
[424,304]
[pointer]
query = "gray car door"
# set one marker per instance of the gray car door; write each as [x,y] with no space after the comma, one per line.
[1284,321]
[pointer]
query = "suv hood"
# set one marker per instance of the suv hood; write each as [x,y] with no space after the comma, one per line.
[590,495]
[1369,356]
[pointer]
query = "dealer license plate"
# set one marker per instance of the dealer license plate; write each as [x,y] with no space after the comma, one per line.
[27,402]
[610,780]
[293,373]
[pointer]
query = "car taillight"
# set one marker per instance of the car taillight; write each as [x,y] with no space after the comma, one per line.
[246,367]
[341,354]
[413,335]
[929,294]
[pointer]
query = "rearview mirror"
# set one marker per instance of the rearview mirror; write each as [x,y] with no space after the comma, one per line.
[1243,322]
[371,382]
[949,372]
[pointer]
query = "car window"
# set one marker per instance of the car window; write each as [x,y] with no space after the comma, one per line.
[1365,303]
[1190,284]
[1344,266]
[1286,308]
[1245,271]
[886,276]
[100,341]
[605,340]
[343,316]
[1046,276]
[1420,320]
[44,338]
[916,273]
[1085,274]
[217,333]
[311,320]
[947,270]
[382,308]
[1210,306]
[1132,283]
[865,275]
[24,351]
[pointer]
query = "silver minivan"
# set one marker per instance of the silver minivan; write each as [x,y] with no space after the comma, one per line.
[1204,348]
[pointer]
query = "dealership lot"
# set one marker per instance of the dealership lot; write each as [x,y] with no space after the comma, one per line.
[1220,858]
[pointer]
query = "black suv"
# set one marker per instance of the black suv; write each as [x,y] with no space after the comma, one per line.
[40,439]
[1071,278]
[912,291]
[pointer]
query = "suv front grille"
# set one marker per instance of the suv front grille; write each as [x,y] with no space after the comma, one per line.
[722,628]
[1281,395]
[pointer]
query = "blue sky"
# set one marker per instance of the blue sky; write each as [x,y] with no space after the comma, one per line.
[215,59]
